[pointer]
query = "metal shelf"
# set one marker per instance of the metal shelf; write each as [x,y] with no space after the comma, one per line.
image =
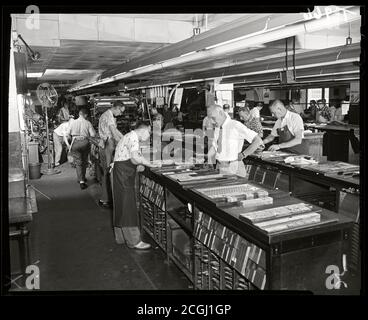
[187,228]
[182,268]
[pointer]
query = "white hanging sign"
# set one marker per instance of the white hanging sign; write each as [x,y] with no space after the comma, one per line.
[160,101]
[178,96]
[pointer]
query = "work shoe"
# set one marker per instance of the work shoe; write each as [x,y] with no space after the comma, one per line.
[104,204]
[83,185]
[142,246]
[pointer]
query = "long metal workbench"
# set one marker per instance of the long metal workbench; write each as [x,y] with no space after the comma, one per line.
[219,250]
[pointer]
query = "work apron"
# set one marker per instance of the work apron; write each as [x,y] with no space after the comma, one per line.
[285,136]
[125,215]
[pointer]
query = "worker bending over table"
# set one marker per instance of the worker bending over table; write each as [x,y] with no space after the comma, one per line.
[228,141]
[128,159]
[59,135]
[289,127]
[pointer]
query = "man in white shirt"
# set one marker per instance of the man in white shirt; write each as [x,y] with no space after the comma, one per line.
[108,131]
[289,127]
[58,137]
[110,135]
[208,129]
[80,130]
[228,141]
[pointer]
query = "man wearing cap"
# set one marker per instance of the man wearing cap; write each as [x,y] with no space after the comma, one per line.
[110,135]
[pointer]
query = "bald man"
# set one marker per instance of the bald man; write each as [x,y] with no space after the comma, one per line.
[228,141]
[289,127]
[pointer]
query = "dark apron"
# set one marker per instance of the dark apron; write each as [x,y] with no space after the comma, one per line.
[125,208]
[285,136]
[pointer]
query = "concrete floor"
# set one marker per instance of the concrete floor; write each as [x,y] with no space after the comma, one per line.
[73,244]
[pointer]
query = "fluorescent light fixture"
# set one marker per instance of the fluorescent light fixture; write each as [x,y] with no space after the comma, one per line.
[118,75]
[93,84]
[34,74]
[251,40]
[140,68]
[328,74]
[258,72]
[255,39]
[187,54]
[238,39]
[296,68]
[71,72]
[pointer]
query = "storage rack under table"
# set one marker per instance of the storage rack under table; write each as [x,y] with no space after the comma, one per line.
[293,260]
[336,192]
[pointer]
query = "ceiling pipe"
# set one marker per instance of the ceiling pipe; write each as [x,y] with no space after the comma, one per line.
[343,61]
[298,83]
[281,32]
[297,67]
[262,83]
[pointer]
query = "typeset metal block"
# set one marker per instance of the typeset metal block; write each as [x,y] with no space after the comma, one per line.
[272,213]
[233,191]
[334,167]
[283,218]
[193,176]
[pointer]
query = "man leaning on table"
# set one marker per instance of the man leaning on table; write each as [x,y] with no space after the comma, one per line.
[289,127]
[228,141]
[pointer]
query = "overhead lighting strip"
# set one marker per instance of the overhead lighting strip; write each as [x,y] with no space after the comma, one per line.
[256,73]
[34,74]
[263,36]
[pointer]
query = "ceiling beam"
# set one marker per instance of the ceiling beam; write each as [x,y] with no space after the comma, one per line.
[330,56]
[264,35]
[204,40]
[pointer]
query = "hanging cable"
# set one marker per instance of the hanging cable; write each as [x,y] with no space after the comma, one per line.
[266,26]
[338,55]
[349,40]
[286,54]
[294,57]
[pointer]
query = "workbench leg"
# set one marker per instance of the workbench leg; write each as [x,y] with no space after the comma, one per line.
[337,205]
